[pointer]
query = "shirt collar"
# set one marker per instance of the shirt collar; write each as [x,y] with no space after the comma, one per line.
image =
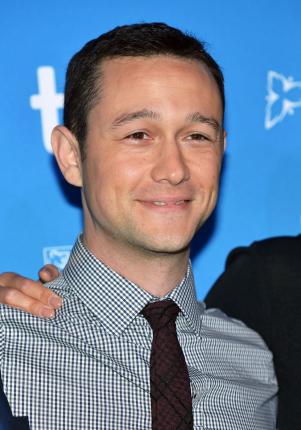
[115,300]
[184,295]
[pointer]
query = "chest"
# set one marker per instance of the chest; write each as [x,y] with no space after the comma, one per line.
[62,381]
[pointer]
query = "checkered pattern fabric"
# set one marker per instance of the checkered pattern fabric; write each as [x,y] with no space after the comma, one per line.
[89,367]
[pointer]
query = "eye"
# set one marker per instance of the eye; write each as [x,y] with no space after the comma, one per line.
[198,137]
[138,135]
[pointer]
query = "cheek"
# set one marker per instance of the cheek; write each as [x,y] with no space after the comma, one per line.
[206,172]
[112,177]
[127,170]
[95,184]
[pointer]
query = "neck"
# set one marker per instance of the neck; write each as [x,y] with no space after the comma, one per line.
[156,273]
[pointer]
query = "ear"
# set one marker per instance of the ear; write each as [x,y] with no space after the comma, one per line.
[67,153]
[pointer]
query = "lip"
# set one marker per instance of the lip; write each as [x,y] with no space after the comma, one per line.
[178,203]
[167,198]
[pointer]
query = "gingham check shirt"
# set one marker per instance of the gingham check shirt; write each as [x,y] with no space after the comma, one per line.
[88,368]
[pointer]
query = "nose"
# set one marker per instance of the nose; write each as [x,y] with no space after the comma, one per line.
[170,164]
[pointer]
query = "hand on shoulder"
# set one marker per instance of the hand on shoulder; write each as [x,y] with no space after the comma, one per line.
[28,295]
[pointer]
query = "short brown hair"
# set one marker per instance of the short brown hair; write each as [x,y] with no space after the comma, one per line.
[136,40]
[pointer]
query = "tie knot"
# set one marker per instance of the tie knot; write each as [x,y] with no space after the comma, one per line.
[160,313]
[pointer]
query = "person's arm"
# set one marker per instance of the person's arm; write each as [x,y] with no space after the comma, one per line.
[241,290]
[29,295]
[7,420]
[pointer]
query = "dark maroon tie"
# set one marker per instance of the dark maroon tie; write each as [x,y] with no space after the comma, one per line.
[170,386]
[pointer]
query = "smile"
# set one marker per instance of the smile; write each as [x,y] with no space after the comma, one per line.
[164,203]
[167,204]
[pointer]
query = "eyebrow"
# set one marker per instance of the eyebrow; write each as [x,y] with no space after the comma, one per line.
[146,113]
[128,117]
[198,117]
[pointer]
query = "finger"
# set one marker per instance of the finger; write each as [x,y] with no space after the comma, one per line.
[48,273]
[30,288]
[14,298]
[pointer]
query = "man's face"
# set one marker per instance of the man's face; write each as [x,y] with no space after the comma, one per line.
[153,153]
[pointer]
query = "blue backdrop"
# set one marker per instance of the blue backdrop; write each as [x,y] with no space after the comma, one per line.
[258,47]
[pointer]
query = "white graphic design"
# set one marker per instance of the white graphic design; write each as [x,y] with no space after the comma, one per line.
[57,255]
[48,101]
[281,103]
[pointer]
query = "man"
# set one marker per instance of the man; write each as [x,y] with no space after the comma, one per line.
[261,286]
[131,348]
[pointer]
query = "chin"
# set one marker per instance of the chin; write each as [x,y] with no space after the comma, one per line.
[167,246]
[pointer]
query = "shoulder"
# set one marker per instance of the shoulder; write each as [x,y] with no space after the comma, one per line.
[282,248]
[16,324]
[271,264]
[227,327]
[60,286]
[238,345]
[16,319]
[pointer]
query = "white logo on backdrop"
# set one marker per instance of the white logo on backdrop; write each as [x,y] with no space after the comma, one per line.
[281,99]
[48,101]
[57,255]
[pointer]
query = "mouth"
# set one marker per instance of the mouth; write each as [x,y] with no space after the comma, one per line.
[167,203]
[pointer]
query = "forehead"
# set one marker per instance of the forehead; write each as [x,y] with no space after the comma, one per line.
[160,81]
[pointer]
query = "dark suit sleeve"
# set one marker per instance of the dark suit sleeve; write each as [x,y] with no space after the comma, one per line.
[7,421]
[262,287]
[4,409]
[240,291]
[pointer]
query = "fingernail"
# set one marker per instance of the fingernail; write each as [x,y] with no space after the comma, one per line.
[45,269]
[54,301]
[47,312]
